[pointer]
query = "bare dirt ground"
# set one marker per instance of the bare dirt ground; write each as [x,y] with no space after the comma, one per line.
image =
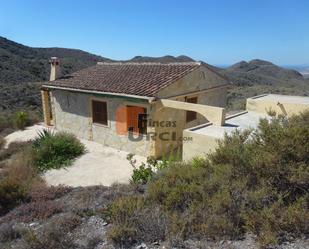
[101,165]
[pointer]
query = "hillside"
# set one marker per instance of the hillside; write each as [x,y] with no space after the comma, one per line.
[257,77]
[164,59]
[19,63]
[27,65]
[22,68]
[261,72]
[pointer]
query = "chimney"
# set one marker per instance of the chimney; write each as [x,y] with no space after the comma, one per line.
[54,68]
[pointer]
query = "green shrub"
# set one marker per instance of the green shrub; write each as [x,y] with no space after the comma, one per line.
[53,151]
[122,235]
[11,194]
[144,172]
[10,121]
[198,162]
[256,181]
[21,120]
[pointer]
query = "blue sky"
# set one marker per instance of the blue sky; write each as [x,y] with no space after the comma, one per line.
[218,32]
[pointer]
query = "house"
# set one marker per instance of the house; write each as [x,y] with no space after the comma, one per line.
[141,108]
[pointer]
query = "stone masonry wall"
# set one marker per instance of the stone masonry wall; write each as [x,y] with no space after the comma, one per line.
[73,113]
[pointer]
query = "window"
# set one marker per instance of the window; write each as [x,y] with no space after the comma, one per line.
[137,119]
[99,112]
[190,115]
[142,122]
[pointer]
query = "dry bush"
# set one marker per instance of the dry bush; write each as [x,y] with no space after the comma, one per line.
[12,149]
[8,232]
[133,222]
[11,195]
[51,238]
[2,142]
[43,193]
[256,181]
[34,210]
[18,180]
[67,221]
[20,170]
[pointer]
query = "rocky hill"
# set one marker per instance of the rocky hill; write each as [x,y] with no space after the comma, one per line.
[258,77]
[261,72]
[19,63]
[26,65]
[164,59]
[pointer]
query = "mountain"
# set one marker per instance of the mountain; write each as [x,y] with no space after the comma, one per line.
[163,59]
[262,73]
[258,77]
[21,66]
[303,69]
[19,63]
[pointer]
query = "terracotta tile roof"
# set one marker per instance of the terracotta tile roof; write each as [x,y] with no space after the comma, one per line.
[143,79]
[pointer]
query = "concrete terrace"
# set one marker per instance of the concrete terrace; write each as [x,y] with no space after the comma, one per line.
[241,121]
[100,165]
[282,99]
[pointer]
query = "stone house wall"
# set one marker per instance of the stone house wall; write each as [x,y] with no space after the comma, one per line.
[72,112]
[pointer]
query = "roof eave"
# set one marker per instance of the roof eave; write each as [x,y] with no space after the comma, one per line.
[150,99]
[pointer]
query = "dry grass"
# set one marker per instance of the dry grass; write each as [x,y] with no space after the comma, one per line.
[2,142]
[20,170]
[13,148]
[18,178]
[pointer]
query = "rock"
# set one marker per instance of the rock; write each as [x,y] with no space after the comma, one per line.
[142,246]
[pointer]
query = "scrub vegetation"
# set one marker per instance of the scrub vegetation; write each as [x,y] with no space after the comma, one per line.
[256,181]
[55,150]
[19,120]
[23,162]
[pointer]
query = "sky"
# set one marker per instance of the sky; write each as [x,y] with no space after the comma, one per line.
[220,32]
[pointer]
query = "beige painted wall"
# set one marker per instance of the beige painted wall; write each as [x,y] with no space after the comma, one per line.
[214,114]
[197,145]
[208,87]
[198,80]
[285,108]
